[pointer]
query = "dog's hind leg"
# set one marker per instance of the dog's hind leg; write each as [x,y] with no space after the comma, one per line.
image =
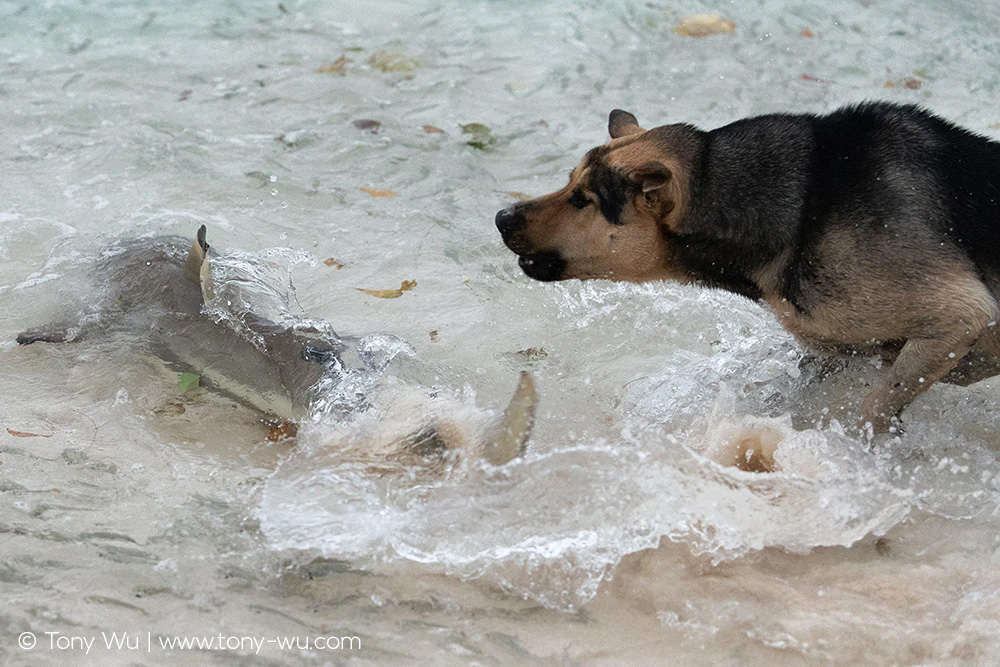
[961,321]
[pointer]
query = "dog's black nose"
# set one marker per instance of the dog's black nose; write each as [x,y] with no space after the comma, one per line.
[506,219]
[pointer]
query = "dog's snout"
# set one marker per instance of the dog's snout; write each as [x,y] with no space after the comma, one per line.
[506,219]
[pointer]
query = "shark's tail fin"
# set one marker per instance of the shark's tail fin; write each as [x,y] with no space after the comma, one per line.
[511,434]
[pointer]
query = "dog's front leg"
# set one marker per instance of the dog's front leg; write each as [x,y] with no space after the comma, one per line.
[920,363]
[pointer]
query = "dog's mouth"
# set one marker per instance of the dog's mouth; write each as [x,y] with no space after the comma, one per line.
[546,266]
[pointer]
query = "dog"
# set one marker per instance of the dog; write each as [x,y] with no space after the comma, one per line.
[872,229]
[155,296]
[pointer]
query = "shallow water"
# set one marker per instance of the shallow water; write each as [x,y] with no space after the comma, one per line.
[628,534]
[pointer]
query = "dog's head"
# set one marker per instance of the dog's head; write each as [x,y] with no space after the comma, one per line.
[612,220]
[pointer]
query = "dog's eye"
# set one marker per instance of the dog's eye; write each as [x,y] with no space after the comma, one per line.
[578,200]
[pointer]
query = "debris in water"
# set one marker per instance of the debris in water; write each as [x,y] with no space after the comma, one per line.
[533,353]
[405,286]
[482,137]
[434,336]
[392,62]
[374,192]
[519,196]
[703,25]
[431,129]
[815,79]
[806,32]
[905,82]
[367,124]
[330,261]
[185,94]
[336,67]
[25,434]
[187,382]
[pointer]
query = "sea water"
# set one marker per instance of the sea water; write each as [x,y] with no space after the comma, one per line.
[688,495]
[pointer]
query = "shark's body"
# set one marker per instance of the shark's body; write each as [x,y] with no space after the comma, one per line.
[159,294]
[153,293]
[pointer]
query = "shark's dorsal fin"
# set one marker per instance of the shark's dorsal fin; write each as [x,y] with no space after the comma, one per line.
[514,428]
[196,257]
[205,278]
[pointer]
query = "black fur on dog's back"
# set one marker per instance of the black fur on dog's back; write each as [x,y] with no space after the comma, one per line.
[779,182]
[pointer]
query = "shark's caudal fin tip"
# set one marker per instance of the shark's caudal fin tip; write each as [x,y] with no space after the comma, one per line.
[514,428]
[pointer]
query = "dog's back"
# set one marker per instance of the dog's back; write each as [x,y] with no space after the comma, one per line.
[778,183]
[903,165]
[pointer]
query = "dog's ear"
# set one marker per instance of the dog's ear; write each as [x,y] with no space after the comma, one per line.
[622,123]
[651,176]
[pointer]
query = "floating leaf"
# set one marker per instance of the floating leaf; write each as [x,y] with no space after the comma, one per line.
[338,66]
[25,434]
[405,286]
[519,196]
[806,32]
[187,382]
[330,261]
[434,336]
[703,25]
[481,136]
[367,124]
[815,79]
[379,193]
[475,128]
[430,129]
[392,62]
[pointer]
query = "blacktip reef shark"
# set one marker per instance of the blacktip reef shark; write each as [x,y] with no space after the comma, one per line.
[154,293]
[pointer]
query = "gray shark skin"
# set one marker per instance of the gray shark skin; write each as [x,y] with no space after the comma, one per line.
[157,294]
[154,293]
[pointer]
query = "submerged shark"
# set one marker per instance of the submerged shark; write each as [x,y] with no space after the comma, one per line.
[152,291]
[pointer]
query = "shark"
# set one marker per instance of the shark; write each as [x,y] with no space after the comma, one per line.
[159,293]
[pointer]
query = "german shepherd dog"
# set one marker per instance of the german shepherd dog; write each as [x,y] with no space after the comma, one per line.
[873,229]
